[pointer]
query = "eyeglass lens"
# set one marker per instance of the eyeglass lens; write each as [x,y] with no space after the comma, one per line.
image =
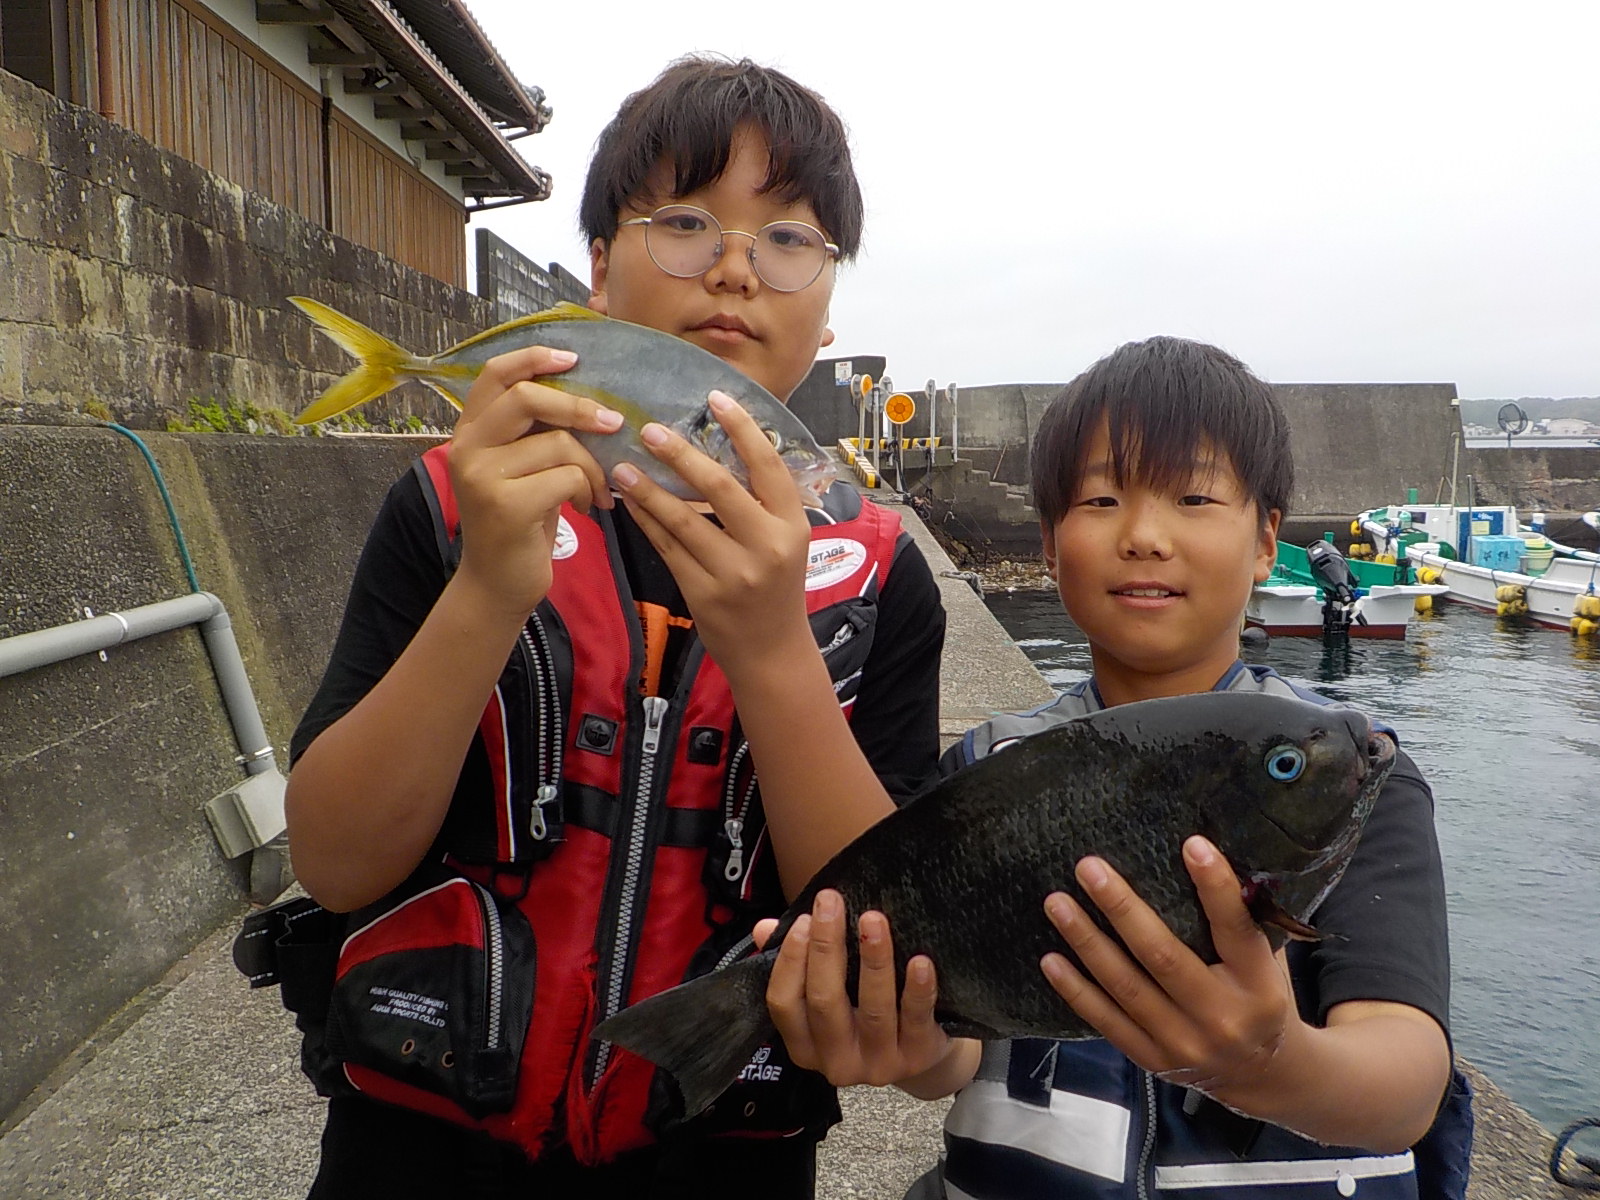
[687,241]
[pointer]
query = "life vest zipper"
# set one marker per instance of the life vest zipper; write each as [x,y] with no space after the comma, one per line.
[547,703]
[655,714]
[733,818]
[494,967]
[1147,1089]
[735,951]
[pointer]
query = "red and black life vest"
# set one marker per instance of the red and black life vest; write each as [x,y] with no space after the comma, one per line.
[625,828]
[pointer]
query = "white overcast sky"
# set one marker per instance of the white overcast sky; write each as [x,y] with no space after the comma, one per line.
[1342,192]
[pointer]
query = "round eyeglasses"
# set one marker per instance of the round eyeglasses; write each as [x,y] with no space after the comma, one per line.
[686,242]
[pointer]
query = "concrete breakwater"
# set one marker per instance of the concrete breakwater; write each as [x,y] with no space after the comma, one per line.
[114,890]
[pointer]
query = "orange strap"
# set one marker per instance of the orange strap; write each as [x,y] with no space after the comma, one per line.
[656,621]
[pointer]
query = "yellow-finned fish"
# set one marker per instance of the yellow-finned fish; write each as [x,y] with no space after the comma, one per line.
[642,373]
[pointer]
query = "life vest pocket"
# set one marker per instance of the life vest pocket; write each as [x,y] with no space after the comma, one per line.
[434,991]
[844,634]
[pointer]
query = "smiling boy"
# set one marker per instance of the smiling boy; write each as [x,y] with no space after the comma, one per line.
[564,700]
[1161,476]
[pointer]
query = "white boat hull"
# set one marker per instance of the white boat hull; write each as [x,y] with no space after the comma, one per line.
[1295,610]
[1551,597]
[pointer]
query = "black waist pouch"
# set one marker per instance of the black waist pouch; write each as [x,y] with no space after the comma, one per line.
[433,990]
[295,947]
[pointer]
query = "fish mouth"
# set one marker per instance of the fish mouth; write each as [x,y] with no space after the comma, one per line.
[813,482]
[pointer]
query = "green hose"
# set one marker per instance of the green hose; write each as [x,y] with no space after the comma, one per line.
[161,485]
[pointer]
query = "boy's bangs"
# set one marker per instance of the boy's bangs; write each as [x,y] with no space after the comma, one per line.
[1176,413]
[679,133]
[1160,449]
[699,157]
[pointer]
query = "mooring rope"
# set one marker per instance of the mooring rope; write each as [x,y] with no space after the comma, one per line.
[1586,1161]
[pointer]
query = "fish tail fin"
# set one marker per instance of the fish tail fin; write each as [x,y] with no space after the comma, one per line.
[703,1032]
[382,365]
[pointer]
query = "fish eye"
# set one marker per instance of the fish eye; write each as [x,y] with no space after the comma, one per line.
[775,438]
[1286,763]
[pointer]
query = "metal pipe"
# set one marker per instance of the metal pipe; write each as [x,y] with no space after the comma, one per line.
[237,698]
[102,54]
[27,651]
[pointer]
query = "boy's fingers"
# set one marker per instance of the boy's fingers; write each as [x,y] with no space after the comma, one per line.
[1169,962]
[496,414]
[1233,930]
[531,456]
[692,537]
[877,1016]
[505,371]
[1096,1008]
[828,1008]
[920,998]
[770,480]
[763,930]
[681,561]
[786,994]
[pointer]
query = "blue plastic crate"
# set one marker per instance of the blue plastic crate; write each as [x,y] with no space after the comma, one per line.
[1498,552]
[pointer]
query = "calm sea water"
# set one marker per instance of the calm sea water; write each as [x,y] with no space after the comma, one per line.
[1505,723]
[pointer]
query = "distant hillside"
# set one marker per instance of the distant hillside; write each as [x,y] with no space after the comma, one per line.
[1484,412]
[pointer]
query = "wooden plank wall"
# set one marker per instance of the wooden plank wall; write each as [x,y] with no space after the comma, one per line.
[188,82]
[380,200]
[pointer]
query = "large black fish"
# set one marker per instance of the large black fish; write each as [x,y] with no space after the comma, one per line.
[1281,786]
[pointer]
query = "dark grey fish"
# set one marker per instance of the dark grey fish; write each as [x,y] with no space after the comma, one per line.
[1281,786]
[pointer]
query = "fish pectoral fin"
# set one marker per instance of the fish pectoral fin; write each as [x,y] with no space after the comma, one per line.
[1266,912]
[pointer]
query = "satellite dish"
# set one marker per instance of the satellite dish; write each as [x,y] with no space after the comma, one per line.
[1512,419]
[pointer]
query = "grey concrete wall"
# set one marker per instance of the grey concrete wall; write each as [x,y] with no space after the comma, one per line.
[1553,480]
[110,870]
[823,405]
[1355,445]
[132,277]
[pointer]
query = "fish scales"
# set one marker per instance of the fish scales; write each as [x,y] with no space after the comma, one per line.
[962,871]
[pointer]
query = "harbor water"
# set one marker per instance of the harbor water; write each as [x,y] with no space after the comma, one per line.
[1504,721]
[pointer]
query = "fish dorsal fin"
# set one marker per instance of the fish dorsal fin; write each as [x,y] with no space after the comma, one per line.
[564,311]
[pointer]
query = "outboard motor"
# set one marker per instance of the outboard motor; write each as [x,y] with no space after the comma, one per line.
[1339,592]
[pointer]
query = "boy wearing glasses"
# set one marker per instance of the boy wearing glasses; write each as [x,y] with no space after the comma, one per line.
[565,701]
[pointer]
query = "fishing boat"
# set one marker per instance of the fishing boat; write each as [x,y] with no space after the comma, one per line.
[1537,525]
[1307,596]
[1488,559]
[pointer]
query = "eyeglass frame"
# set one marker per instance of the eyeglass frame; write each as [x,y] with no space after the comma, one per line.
[831,250]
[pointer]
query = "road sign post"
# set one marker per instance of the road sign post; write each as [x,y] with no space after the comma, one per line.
[899,409]
[860,389]
[950,394]
[877,426]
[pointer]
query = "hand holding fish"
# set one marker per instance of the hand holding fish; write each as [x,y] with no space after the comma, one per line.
[744,583]
[1210,1027]
[882,1040]
[513,463]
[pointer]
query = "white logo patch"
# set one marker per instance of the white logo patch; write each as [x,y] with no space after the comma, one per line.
[566,540]
[759,1070]
[833,560]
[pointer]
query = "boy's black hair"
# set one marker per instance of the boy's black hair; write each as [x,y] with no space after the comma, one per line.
[687,119]
[1163,400]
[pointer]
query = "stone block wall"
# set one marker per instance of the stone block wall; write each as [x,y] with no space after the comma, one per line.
[132,277]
